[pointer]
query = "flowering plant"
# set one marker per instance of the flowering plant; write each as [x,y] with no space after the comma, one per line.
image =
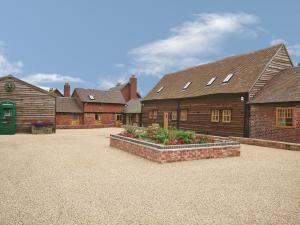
[41,124]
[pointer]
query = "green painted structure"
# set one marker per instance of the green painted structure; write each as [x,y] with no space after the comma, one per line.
[7,117]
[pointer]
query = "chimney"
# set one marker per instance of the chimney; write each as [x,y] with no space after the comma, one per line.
[67,90]
[133,87]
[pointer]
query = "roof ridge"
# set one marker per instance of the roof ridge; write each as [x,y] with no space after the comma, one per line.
[229,57]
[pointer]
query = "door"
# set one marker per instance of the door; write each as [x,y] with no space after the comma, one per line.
[7,117]
[166,120]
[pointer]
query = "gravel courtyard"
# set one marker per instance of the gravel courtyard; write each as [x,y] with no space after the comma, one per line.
[74,177]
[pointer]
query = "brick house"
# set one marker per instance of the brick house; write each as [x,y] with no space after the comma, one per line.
[90,108]
[275,111]
[213,98]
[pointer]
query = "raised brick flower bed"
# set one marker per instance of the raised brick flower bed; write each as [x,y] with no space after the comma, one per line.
[174,153]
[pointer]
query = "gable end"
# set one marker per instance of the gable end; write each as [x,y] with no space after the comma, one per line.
[279,62]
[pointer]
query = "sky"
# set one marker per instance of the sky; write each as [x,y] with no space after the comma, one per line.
[96,44]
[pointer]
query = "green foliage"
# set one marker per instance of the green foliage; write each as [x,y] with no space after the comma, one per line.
[162,135]
[165,136]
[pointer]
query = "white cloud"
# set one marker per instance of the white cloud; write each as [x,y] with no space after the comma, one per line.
[119,65]
[109,82]
[41,78]
[295,50]
[191,42]
[277,41]
[7,67]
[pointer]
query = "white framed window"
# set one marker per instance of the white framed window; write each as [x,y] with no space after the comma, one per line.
[174,115]
[226,116]
[210,82]
[285,117]
[160,89]
[183,115]
[187,85]
[228,78]
[215,116]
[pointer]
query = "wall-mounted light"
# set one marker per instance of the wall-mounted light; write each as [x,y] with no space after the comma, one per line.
[242,98]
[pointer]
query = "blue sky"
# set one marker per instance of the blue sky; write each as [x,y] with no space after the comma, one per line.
[96,44]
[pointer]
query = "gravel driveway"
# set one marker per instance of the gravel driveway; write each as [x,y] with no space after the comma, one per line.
[74,177]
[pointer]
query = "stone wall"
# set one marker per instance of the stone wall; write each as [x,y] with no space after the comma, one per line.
[176,154]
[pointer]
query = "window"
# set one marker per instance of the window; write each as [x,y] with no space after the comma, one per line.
[215,116]
[160,89]
[226,116]
[155,114]
[285,117]
[174,115]
[183,115]
[119,117]
[187,85]
[91,97]
[211,81]
[75,116]
[151,115]
[228,78]
[97,116]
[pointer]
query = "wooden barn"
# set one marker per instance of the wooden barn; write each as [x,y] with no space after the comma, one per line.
[213,98]
[21,104]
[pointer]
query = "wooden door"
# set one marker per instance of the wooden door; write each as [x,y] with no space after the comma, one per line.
[166,120]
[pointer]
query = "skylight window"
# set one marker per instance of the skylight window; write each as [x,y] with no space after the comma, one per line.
[91,97]
[210,82]
[187,85]
[227,78]
[160,89]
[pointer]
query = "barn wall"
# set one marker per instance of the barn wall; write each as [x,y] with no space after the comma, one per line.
[32,104]
[199,114]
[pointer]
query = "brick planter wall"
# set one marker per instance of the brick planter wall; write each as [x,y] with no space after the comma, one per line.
[164,154]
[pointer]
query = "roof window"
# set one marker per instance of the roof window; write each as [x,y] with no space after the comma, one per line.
[160,89]
[228,78]
[91,97]
[187,85]
[210,82]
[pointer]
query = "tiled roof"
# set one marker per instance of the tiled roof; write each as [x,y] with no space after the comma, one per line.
[285,87]
[133,106]
[67,105]
[246,69]
[115,97]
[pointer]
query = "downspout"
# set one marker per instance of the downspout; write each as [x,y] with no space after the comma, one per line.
[178,111]
[246,115]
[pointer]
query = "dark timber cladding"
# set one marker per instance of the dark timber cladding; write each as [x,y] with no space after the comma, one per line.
[32,103]
[199,114]
[212,98]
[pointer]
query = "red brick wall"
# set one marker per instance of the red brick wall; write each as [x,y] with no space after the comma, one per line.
[66,119]
[263,124]
[107,108]
[107,119]
[176,155]
[126,93]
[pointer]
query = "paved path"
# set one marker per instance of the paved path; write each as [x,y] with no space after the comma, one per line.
[74,177]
